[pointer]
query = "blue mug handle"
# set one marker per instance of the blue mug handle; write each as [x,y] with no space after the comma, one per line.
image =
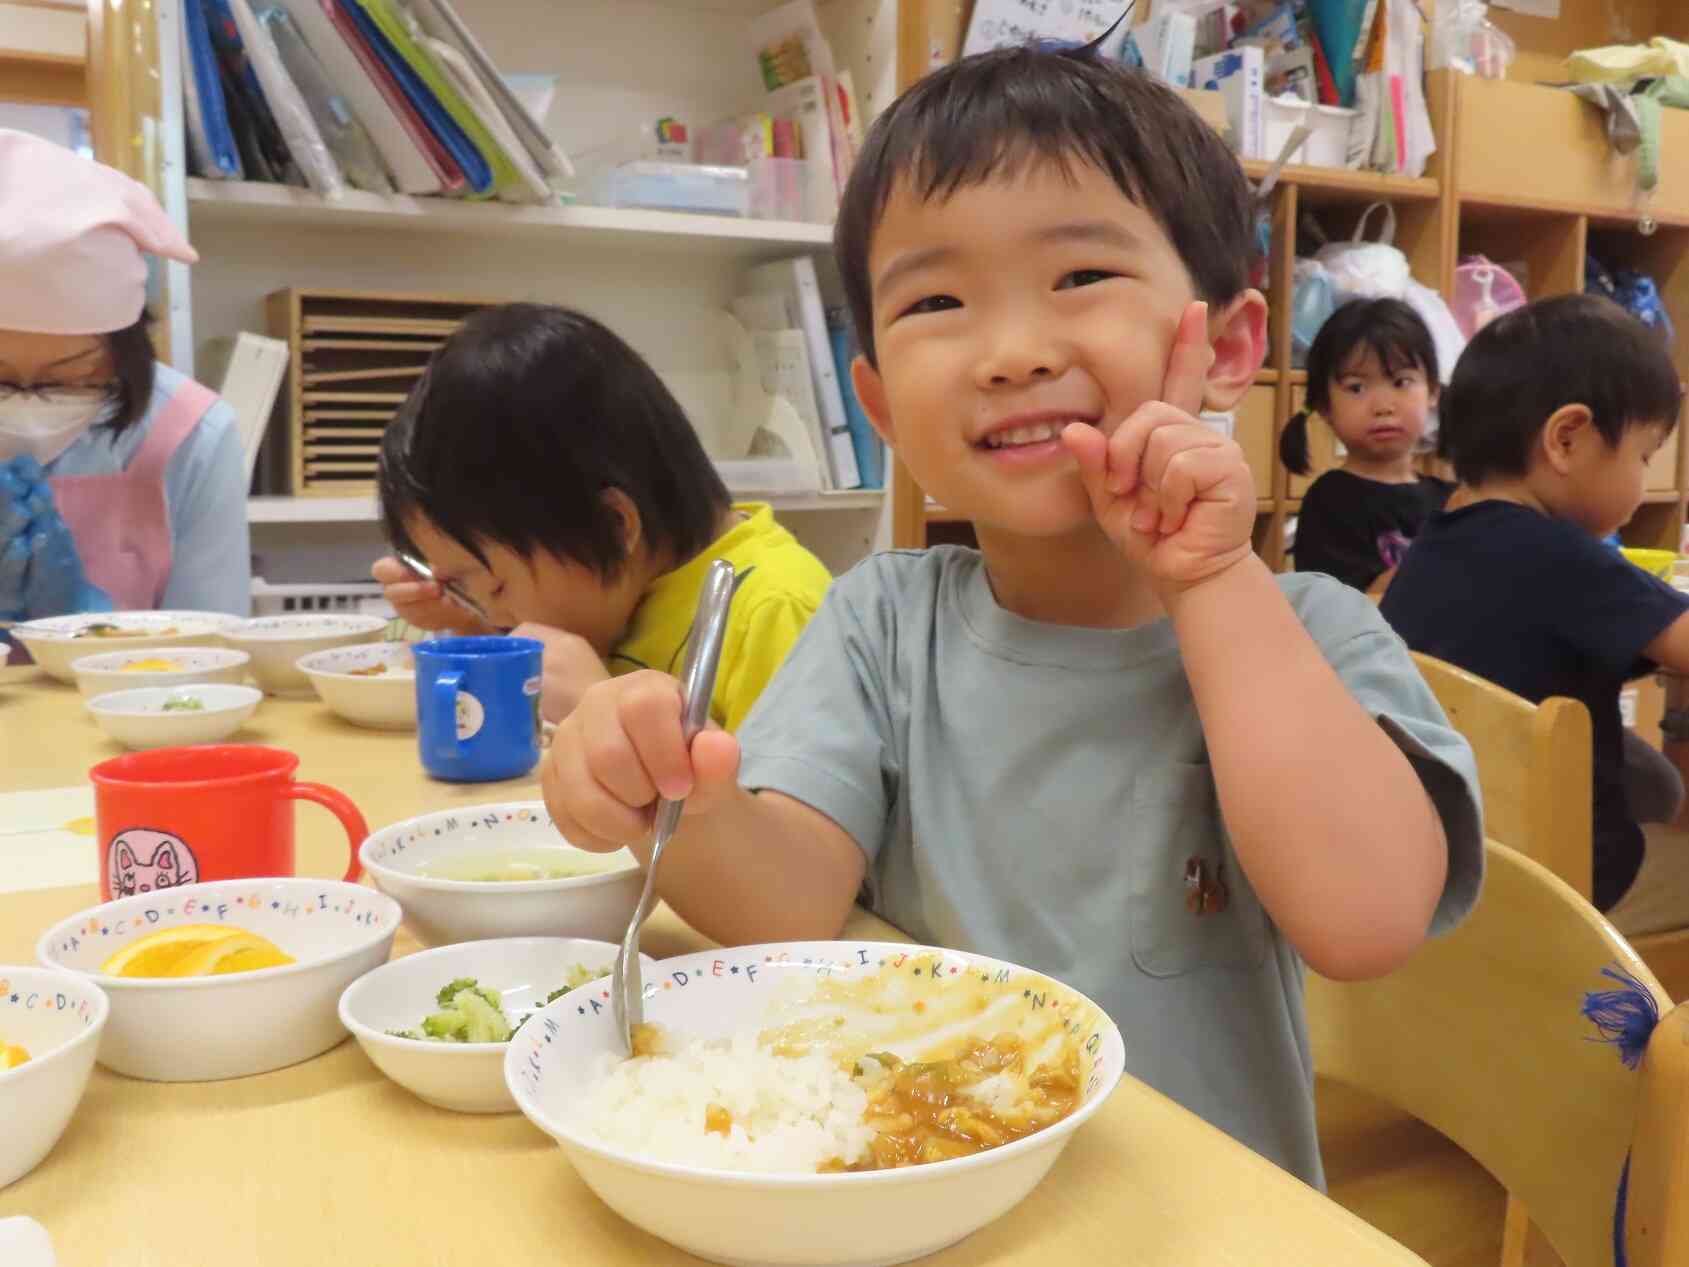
[447,746]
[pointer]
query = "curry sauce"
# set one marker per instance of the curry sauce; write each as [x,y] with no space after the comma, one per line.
[926,1111]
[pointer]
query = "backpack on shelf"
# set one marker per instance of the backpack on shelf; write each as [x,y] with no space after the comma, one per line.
[1637,293]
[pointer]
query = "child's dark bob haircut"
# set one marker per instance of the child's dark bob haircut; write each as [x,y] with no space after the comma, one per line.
[1523,367]
[526,417]
[989,116]
[1389,328]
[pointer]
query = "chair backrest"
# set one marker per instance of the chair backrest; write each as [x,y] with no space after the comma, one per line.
[1659,1159]
[1480,1036]
[1535,768]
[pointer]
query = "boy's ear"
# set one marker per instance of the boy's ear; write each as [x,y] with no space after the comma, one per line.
[1238,334]
[633,528]
[1568,429]
[871,395]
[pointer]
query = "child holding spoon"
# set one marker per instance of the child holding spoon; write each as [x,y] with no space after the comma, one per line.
[555,489]
[1109,744]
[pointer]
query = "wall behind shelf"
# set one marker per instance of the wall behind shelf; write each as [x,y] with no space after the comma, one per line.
[666,305]
[1545,42]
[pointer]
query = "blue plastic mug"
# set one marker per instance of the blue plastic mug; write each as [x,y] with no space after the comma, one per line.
[478,707]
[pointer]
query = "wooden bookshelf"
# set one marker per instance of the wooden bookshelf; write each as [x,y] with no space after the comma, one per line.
[1489,189]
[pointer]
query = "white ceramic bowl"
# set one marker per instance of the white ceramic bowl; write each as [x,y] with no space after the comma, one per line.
[138,719]
[867,1219]
[101,674]
[59,641]
[201,1028]
[464,1077]
[382,701]
[57,1017]
[276,643]
[440,911]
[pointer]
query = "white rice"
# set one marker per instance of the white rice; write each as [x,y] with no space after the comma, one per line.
[790,1113]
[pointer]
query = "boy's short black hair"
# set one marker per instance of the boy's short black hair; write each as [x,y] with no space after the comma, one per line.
[1389,328]
[133,364]
[1524,366]
[995,113]
[527,416]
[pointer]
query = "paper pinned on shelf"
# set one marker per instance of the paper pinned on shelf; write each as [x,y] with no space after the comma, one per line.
[48,839]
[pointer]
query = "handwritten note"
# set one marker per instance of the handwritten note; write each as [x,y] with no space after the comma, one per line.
[1002,23]
[47,839]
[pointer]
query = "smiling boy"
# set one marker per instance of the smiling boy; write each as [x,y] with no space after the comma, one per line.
[1109,744]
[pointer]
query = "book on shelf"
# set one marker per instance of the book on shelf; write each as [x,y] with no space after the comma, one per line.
[1239,75]
[400,146]
[1164,46]
[795,283]
[249,369]
[379,94]
[211,141]
[870,449]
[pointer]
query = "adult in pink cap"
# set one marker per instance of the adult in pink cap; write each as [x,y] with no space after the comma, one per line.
[122,483]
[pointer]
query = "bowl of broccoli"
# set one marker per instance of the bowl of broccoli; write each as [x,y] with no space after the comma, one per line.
[174,716]
[438,1022]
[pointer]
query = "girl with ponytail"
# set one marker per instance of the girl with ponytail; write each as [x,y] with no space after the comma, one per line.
[1372,376]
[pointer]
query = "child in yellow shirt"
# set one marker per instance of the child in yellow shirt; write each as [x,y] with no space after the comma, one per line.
[541,468]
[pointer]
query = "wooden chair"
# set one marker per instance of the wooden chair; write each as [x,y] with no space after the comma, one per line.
[1480,1037]
[1535,768]
[1535,776]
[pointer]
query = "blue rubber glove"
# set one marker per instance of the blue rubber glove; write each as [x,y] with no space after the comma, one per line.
[14,568]
[55,584]
[24,495]
[41,572]
[20,502]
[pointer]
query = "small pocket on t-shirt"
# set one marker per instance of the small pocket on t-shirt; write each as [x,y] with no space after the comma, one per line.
[1191,906]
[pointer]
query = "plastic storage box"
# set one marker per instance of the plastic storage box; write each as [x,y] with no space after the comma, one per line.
[668,186]
[1328,144]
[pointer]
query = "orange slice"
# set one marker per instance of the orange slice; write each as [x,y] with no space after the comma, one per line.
[155,954]
[244,952]
[11,1056]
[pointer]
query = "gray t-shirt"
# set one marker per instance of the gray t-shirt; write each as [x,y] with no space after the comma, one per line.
[1034,792]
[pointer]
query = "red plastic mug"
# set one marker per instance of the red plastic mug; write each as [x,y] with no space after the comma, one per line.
[175,816]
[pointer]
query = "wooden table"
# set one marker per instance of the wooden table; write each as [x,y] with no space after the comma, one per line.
[328,1162]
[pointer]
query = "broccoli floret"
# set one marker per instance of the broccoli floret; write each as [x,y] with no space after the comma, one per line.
[470,1014]
[483,1022]
[448,1026]
[449,991]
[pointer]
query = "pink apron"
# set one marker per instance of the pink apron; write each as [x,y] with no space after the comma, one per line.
[121,522]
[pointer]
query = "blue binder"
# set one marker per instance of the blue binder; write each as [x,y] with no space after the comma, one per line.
[476,170]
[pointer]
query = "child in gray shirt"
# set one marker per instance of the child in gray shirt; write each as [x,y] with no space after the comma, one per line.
[1109,744]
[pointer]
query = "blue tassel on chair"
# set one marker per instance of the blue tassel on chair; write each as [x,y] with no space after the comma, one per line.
[1626,1018]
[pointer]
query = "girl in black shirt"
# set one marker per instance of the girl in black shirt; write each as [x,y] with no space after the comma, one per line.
[1372,375]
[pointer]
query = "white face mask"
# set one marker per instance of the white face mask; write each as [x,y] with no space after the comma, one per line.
[44,426]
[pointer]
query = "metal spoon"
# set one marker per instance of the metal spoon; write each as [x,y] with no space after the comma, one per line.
[451,589]
[697,682]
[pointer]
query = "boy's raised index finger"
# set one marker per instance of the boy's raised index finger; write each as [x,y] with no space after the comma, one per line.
[1187,363]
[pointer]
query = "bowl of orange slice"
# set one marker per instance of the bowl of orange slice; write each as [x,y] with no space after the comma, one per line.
[227,978]
[50,1026]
